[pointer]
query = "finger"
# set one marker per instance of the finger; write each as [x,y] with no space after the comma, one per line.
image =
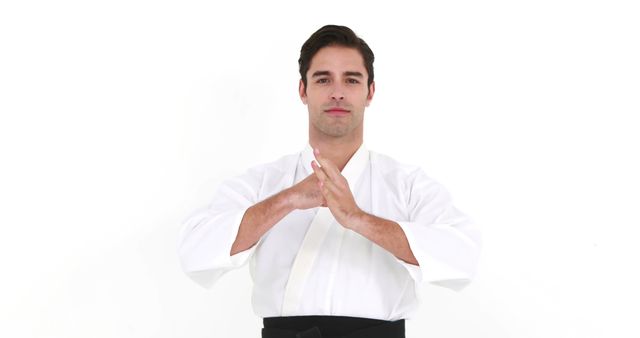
[321,174]
[323,180]
[326,193]
[330,192]
[330,169]
[332,188]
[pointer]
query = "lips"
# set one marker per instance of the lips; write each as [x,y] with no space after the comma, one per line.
[337,111]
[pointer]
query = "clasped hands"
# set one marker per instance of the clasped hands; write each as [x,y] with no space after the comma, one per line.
[328,188]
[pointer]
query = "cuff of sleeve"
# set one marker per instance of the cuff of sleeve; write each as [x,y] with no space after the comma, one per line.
[431,269]
[205,245]
[415,271]
[240,258]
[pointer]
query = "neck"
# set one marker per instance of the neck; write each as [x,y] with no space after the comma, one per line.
[337,150]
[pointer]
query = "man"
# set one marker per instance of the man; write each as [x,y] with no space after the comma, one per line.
[338,236]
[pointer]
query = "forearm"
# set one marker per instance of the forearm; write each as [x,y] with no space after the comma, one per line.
[387,234]
[259,218]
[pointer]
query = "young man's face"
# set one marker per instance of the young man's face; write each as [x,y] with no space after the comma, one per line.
[337,91]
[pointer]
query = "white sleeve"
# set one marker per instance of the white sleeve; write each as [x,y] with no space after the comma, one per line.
[208,233]
[443,239]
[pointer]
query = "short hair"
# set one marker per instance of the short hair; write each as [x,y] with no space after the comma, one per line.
[332,35]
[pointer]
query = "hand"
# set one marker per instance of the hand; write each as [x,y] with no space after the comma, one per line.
[306,194]
[335,190]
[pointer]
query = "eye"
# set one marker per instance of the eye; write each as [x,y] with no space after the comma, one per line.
[353,81]
[322,80]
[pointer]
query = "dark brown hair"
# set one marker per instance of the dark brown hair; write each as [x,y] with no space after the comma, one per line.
[332,35]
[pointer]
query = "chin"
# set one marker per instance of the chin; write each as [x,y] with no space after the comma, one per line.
[335,132]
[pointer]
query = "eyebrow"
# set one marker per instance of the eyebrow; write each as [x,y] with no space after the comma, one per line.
[320,73]
[356,74]
[327,73]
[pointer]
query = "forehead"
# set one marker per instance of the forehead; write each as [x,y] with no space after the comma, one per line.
[337,59]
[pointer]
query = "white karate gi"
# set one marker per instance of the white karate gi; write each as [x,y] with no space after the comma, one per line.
[330,270]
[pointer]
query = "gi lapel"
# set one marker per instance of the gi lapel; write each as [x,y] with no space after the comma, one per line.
[317,231]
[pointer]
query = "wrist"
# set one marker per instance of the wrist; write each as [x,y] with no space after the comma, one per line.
[287,200]
[357,219]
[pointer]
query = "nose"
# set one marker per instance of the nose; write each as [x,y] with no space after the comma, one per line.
[337,93]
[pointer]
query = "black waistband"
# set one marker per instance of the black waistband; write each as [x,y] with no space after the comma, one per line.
[331,326]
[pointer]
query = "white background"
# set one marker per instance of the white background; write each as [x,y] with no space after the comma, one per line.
[119,118]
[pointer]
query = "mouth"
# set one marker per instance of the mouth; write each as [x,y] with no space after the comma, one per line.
[337,111]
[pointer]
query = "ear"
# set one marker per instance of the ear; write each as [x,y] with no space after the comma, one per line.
[372,90]
[302,91]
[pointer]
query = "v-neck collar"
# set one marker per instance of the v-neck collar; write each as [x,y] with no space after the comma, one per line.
[351,171]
